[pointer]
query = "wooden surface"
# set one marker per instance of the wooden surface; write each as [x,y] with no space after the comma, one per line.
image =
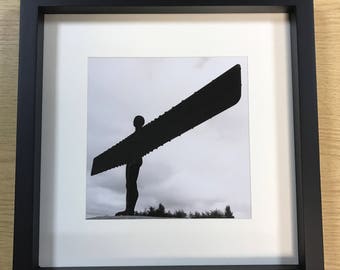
[327,20]
[327,27]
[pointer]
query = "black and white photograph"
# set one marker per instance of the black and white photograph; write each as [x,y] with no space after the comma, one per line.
[168,138]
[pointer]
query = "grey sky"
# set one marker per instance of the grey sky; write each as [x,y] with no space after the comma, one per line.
[204,169]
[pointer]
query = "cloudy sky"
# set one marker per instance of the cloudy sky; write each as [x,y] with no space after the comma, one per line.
[206,168]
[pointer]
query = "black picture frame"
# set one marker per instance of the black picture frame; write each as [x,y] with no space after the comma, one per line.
[27,191]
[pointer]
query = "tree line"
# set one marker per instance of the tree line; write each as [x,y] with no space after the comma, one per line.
[160,211]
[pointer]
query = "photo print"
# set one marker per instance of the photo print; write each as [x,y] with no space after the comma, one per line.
[168,138]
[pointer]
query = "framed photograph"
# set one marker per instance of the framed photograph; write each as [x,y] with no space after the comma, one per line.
[167,135]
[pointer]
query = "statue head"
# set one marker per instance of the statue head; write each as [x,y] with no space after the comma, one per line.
[138,122]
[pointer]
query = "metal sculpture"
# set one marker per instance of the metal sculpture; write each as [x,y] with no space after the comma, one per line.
[214,98]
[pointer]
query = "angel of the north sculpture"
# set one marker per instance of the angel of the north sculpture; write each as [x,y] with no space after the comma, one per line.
[214,98]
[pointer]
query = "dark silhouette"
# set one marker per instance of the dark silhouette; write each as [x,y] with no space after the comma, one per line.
[227,212]
[132,171]
[217,96]
[162,213]
[214,98]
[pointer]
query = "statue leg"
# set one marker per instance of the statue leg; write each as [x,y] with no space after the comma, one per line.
[131,188]
[132,172]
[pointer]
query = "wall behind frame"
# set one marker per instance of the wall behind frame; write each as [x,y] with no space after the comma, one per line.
[327,27]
